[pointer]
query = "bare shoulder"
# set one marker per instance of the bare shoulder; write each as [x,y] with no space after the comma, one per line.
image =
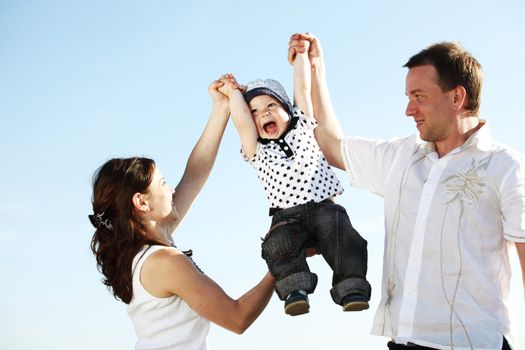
[165,271]
[165,258]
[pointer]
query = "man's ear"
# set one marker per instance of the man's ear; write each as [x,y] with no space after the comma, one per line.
[460,98]
[140,203]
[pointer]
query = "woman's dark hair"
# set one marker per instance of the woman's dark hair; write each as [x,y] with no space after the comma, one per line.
[116,242]
[455,67]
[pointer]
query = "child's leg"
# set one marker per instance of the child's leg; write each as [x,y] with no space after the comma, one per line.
[283,250]
[285,255]
[345,251]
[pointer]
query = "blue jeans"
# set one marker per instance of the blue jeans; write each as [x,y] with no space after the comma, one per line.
[326,226]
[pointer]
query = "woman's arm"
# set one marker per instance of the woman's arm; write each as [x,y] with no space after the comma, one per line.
[202,158]
[169,272]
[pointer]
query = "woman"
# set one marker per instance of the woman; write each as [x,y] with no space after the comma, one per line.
[170,301]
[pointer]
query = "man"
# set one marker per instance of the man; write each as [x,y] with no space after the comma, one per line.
[454,204]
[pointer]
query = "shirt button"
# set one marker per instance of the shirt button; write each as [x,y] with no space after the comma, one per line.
[286,148]
[281,140]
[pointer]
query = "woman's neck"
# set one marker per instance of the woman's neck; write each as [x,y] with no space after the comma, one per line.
[159,233]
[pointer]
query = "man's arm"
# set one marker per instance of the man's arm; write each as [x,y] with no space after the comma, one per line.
[328,132]
[520,247]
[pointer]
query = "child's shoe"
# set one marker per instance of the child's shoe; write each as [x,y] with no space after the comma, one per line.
[296,303]
[355,302]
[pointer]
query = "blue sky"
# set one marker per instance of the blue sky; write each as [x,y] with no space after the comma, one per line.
[84,81]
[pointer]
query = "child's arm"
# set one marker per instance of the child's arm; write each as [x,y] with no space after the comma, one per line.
[302,78]
[202,158]
[240,114]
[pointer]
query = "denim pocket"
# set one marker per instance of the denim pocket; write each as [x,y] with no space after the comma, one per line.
[279,224]
[283,240]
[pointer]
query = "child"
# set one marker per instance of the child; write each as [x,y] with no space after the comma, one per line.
[278,140]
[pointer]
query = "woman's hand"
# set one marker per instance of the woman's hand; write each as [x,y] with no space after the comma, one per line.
[218,98]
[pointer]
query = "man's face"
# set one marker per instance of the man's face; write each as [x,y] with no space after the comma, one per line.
[432,109]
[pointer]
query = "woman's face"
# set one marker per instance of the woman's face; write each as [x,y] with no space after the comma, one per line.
[160,199]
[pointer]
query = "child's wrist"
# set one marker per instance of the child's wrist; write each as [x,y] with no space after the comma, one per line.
[225,90]
[235,91]
[301,57]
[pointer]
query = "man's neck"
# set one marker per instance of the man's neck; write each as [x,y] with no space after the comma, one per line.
[466,127]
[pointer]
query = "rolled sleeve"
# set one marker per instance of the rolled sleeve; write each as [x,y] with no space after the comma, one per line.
[513,201]
[368,162]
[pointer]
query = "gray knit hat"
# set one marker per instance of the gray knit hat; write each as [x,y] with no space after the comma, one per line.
[268,87]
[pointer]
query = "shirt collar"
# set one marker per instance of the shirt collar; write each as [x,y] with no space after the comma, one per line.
[427,147]
[481,138]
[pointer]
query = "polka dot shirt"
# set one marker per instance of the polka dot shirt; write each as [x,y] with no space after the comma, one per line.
[292,168]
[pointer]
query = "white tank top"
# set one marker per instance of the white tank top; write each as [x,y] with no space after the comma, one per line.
[163,323]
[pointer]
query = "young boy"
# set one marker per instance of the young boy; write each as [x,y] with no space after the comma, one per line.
[278,141]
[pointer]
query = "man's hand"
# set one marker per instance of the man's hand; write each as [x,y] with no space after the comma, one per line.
[300,43]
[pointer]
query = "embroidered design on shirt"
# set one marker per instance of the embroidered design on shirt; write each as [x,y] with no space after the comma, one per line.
[467,186]
[465,189]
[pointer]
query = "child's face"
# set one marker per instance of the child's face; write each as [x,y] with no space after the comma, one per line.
[269,116]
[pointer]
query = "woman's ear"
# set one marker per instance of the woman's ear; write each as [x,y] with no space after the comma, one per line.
[140,203]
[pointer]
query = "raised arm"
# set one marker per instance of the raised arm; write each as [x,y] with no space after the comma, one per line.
[302,82]
[520,247]
[202,158]
[328,132]
[240,114]
[168,272]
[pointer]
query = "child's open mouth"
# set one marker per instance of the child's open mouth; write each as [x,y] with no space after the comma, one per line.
[270,128]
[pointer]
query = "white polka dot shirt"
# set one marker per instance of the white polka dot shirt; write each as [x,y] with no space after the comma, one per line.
[292,168]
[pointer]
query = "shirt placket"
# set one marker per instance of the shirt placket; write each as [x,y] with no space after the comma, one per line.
[410,292]
[283,146]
